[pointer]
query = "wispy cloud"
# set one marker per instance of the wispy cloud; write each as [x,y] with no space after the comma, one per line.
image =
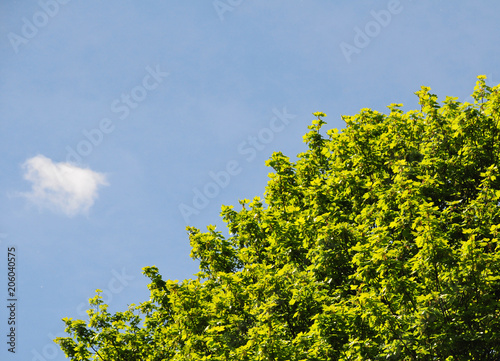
[61,187]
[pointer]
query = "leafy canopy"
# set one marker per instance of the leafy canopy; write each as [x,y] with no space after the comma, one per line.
[379,243]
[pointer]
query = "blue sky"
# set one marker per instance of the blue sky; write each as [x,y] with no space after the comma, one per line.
[122,122]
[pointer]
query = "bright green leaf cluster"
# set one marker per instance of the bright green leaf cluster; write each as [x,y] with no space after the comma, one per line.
[381,242]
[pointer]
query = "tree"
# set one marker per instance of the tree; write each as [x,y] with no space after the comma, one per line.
[379,243]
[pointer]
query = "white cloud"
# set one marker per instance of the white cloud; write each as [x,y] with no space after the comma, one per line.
[62,186]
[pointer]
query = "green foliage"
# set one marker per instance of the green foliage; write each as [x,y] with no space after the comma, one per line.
[379,243]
